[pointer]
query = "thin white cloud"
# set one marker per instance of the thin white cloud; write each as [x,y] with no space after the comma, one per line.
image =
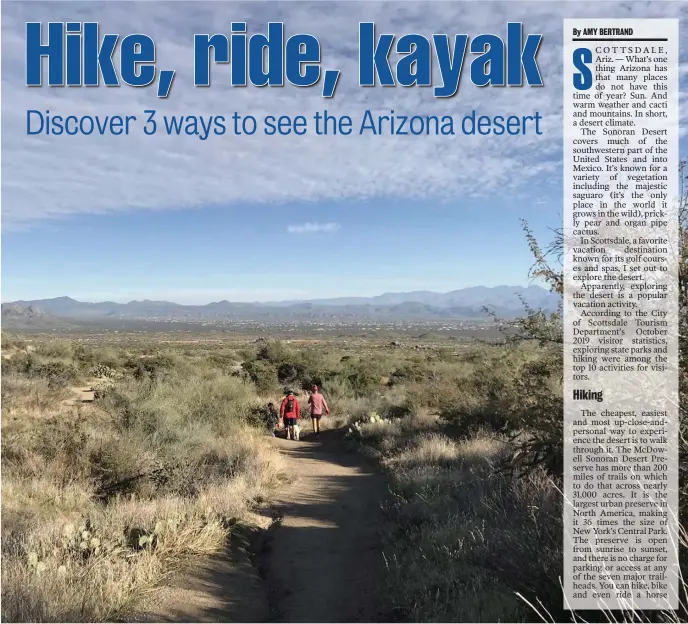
[314,228]
[53,177]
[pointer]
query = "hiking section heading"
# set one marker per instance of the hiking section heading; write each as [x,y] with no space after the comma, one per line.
[621,184]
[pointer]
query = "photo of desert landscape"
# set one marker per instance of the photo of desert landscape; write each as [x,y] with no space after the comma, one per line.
[287,379]
[136,447]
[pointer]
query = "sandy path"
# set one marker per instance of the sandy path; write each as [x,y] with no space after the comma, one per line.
[318,561]
[80,395]
[323,557]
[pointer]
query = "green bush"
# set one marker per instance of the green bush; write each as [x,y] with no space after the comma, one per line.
[273,351]
[297,368]
[18,363]
[363,376]
[91,357]
[56,349]
[289,373]
[155,367]
[263,374]
[408,373]
[58,374]
[8,341]
[223,361]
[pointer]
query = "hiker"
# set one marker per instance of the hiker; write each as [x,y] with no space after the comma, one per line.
[318,405]
[272,418]
[290,411]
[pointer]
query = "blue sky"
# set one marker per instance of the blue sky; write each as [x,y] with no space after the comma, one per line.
[212,253]
[258,218]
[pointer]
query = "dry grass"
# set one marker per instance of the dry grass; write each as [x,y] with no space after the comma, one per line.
[461,539]
[101,504]
[439,450]
[466,538]
[175,451]
[24,397]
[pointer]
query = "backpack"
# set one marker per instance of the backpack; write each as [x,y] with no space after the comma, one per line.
[289,409]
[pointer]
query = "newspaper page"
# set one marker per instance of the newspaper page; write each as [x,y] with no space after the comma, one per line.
[344,311]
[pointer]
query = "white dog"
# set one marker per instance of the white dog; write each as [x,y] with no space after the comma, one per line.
[297,432]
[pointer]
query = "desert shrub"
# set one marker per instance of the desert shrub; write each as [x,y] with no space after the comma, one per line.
[460,538]
[99,505]
[254,415]
[273,351]
[18,363]
[24,395]
[362,379]
[118,404]
[348,409]
[335,388]
[12,341]
[223,361]
[176,416]
[121,465]
[297,368]
[63,439]
[58,374]
[290,373]
[154,367]
[56,349]
[519,394]
[91,357]
[537,416]
[408,373]
[302,371]
[481,400]
[263,374]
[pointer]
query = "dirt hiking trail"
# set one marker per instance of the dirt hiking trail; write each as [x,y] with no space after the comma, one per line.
[79,395]
[318,559]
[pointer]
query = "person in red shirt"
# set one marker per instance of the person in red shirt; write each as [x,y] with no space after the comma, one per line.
[290,412]
[318,406]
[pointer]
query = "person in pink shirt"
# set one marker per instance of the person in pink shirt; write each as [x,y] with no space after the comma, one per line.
[318,406]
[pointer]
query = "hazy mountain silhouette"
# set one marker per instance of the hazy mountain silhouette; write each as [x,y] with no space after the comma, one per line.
[467,303]
[16,316]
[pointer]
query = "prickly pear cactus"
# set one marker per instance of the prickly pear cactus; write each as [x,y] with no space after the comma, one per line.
[103,371]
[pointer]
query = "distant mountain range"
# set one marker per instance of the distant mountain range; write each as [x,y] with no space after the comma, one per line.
[29,317]
[467,303]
